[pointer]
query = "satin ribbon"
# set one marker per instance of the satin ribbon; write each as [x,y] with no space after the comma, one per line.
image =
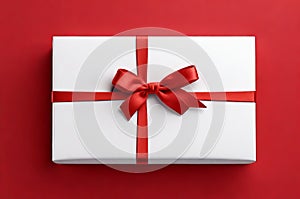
[134,90]
[168,90]
[73,96]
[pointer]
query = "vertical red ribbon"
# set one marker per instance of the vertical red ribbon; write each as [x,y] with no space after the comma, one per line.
[142,115]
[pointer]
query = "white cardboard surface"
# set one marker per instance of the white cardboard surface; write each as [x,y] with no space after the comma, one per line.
[234,59]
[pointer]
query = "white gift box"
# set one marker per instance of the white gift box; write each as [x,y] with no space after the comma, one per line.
[97,132]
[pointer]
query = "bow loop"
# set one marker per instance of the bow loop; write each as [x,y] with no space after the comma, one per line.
[180,78]
[126,81]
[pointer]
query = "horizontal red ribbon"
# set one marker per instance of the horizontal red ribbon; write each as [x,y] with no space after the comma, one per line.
[72,96]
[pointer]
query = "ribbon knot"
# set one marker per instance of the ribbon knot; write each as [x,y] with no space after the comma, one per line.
[168,90]
[153,87]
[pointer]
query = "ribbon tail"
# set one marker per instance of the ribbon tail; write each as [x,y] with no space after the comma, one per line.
[170,99]
[189,99]
[179,100]
[133,103]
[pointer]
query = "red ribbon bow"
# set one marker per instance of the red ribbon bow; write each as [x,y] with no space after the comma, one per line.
[168,90]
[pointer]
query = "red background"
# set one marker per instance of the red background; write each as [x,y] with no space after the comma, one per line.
[26,170]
